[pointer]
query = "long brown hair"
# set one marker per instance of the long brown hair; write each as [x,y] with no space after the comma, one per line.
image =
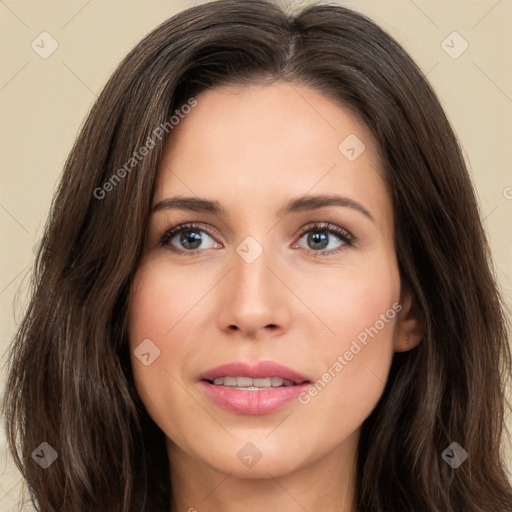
[70,382]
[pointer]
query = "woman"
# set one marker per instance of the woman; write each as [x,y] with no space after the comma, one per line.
[264,284]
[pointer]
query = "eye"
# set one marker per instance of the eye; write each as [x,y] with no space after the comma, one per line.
[321,235]
[191,237]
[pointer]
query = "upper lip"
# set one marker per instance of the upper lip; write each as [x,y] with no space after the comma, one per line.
[256,370]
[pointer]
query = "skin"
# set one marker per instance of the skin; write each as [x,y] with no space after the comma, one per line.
[252,148]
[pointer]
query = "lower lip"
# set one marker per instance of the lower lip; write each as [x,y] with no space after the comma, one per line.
[265,401]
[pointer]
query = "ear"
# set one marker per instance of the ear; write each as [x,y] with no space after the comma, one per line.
[410,327]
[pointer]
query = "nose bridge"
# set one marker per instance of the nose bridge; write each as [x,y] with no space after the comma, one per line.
[254,296]
[252,278]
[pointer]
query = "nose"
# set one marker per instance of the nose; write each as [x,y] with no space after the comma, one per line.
[255,299]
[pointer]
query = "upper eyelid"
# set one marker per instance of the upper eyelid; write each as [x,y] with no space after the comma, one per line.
[209,230]
[329,226]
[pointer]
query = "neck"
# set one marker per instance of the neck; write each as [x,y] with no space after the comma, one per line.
[327,484]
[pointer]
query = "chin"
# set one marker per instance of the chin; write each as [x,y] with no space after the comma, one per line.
[258,459]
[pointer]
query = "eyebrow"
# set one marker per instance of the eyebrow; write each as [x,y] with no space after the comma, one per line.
[299,204]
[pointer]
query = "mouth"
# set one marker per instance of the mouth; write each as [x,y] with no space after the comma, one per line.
[250,384]
[256,375]
[253,388]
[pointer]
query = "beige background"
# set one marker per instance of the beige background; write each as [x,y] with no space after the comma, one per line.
[43,102]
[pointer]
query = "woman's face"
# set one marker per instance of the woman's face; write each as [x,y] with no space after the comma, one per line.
[256,285]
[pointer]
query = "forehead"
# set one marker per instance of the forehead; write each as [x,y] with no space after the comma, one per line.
[250,146]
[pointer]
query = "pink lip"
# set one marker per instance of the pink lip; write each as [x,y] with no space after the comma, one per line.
[253,402]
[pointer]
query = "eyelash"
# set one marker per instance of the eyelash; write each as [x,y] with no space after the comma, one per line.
[347,238]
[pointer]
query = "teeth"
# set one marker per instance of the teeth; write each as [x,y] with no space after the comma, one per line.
[244,382]
[277,381]
[230,381]
[260,383]
[249,382]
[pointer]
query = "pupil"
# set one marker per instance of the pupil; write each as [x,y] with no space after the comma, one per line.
[319,240]
[190,236]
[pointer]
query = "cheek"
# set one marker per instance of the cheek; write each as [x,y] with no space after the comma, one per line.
[352,301]
[160,298]
[153,318]
[361,311]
